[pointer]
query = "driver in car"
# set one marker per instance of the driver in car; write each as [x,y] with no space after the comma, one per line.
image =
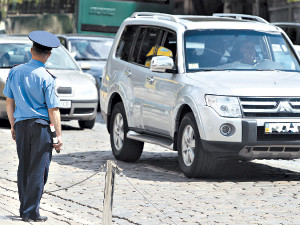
[248,53]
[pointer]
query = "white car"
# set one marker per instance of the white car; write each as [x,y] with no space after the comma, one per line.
[77,90]
[90,52]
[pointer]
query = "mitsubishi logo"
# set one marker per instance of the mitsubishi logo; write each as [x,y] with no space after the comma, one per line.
[284,107]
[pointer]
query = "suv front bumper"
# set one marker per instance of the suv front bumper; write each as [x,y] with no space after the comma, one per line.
[257,145]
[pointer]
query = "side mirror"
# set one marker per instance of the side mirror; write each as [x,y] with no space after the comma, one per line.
[85,66]
[161,64]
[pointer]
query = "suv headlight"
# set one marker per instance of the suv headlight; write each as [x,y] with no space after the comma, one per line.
[224,105]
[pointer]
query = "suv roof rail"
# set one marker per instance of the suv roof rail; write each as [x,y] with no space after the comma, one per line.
[156,15]
[241,17]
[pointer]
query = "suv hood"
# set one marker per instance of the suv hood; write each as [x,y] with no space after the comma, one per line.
[249,83]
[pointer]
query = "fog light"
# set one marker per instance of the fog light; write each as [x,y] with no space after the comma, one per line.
[227,129]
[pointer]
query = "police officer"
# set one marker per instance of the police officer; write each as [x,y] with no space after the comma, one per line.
[32,103]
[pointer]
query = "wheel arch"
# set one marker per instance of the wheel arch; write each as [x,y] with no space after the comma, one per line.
[114,99]
[182,111]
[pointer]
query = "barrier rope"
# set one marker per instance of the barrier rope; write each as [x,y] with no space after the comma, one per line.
[101,169]
[118,171]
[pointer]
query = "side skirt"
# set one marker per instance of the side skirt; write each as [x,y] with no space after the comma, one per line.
[164,142]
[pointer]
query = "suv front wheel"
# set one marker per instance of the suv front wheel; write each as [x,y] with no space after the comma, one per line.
[123,148]
[194,161]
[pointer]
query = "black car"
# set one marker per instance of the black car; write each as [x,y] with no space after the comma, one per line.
[293,31]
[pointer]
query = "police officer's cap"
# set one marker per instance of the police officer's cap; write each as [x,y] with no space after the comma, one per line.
[44,39]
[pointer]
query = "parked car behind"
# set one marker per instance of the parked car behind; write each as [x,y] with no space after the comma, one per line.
[293,31]
[77,90]
[90,52]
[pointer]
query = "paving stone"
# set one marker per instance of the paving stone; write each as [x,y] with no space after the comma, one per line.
[258,192]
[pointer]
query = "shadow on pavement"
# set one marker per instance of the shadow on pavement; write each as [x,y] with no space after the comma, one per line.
[4,124]
[14,218]
[91,160]
[68,127]
[164,167]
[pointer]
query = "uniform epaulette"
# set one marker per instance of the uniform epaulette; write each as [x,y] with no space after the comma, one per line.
[17,65]
[51,74]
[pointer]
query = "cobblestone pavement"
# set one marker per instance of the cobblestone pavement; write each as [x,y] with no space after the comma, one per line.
[152,190]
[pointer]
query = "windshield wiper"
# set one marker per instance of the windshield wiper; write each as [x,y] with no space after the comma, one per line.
[83,59]
[277,70]
[208,70]
[90,59]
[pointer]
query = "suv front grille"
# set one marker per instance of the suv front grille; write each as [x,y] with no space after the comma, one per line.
[270,107]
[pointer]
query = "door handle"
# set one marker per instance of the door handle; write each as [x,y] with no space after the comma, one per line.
[128,73]
[150,80]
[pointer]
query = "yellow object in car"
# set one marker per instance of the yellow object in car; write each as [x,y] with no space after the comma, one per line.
[157,51]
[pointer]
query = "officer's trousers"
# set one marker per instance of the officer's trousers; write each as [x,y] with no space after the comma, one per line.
[34,147]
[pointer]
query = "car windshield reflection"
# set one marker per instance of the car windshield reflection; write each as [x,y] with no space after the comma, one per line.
[90,49]
[61,60]
[12,54]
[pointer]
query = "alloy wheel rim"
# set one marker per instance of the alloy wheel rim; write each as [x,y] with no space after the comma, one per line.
[188,145]
[118,131]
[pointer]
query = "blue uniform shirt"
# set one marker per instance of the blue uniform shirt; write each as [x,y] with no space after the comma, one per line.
[33,90]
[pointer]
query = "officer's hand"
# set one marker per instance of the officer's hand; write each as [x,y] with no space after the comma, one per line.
[13,134]
[59,144]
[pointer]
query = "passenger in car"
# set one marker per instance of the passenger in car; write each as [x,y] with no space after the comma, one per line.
[245,52]
[157,51]
[5,60]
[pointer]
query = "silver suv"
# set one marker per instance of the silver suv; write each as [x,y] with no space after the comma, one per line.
[209,87]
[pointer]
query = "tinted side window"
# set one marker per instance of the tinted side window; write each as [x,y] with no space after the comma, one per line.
[125,42]
[153,36]
[170,42]
[137,47]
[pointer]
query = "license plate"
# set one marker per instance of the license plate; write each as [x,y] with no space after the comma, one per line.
[271,128]
[65,104]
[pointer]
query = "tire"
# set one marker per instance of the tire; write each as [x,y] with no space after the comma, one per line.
[88,124]
[123,148]
[194,161]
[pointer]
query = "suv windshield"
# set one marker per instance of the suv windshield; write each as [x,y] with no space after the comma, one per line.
[238,50]
[12,54]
